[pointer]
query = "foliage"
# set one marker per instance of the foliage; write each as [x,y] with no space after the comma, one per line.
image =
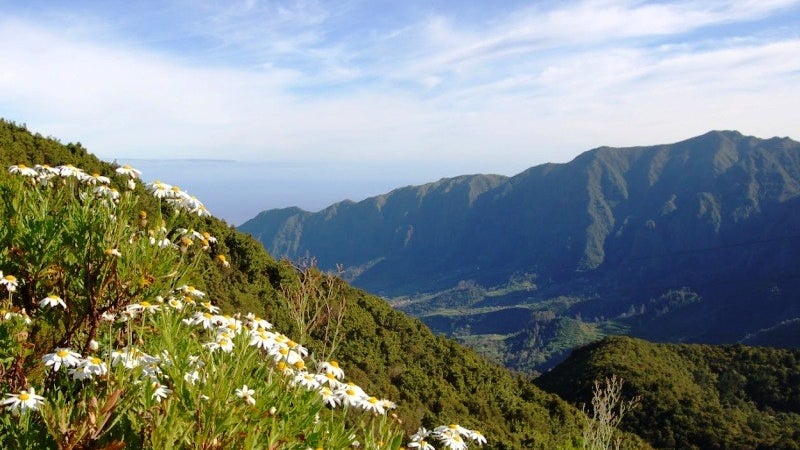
[433,379]
[103,321]
[693,396]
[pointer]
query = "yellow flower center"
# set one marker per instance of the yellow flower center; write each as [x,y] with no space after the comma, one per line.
[10,278]
[207,315]
[62,353]
[283,351]
[145,304]
[24,396]
[334,364]
[95,360]
[330,375]
[372,400]
[350,392]
[300,365]
[281,365]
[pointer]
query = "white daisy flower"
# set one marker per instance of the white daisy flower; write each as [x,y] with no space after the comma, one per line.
[52,301]
[191,377]
[24,401]
[22,169]
[331,367]
[105,191]
[161,391]
[373,405]
[61,356]
[246,394]
[328,397]
[9,281]
[160,190]
[192,291]
[351,395]
[96,178]
[69,170]
[129,171]
[307,380]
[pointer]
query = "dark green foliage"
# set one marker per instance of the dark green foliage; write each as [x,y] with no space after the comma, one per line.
[433,379]
[694,396]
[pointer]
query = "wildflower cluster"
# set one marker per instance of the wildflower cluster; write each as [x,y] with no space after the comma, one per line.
[178,198]
[130,352]
[287,356]
[453,437]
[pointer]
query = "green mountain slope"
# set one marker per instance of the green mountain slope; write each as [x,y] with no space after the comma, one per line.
[693,396]
[689,242]
[433,379]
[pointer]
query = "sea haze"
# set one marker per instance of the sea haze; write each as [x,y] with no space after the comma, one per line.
[238,190]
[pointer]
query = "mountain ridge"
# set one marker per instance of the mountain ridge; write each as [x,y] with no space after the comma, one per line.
[619,229]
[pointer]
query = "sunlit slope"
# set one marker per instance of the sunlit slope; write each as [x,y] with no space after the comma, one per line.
[433,379]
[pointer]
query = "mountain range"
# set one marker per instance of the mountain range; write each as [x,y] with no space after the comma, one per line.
[696,241]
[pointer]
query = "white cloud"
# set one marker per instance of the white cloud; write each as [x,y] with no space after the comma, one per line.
[514,90]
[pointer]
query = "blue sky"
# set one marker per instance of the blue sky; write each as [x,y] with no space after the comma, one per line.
[435,88]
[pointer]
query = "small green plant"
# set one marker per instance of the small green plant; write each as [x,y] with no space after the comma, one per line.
[105,342]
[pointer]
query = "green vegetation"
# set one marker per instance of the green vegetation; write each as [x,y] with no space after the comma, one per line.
[432,379]
[508,326]
[693,396]
[106,343]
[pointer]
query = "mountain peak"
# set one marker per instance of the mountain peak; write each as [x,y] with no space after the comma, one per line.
[656,232]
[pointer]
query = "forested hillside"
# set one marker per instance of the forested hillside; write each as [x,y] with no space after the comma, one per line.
[693,396]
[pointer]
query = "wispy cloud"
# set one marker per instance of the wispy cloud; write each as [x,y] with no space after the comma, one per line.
[343,81]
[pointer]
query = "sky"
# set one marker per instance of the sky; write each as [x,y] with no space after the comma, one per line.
[309,102]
